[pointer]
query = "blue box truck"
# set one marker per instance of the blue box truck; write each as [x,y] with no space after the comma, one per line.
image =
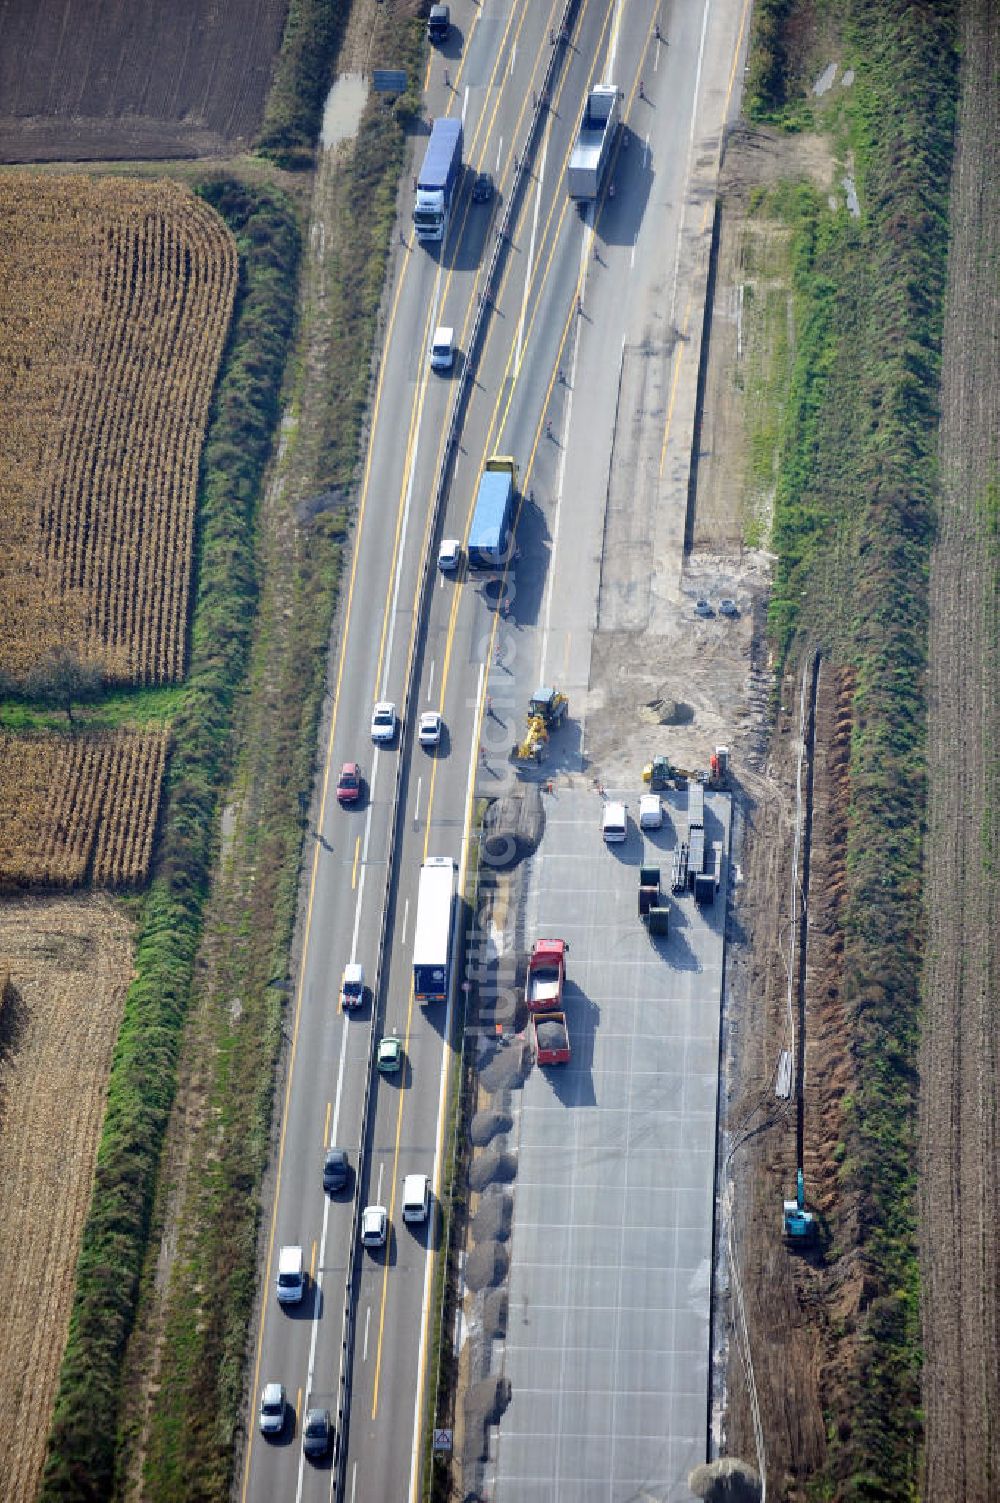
[493,518]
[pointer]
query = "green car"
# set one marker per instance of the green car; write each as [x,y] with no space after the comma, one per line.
[390,1054]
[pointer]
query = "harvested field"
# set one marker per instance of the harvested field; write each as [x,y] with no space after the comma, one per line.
[69,961]
[959,1066]
[112,82]
[115,299]
[77,809]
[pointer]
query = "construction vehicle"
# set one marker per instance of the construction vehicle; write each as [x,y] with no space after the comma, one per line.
[546,975]
[551,1038]
[550,705]
[658,774]
[798,1225]
[547,710]
[718,767]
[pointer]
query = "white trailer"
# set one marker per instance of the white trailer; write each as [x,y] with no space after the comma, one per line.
[594,142]
[432,939]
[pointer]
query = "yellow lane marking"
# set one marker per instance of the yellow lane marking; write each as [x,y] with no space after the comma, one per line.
[678,358]
[736,58]
[326,1124]
[493,428]
[392,1206]
[310,902]
[354,873]
[417,406]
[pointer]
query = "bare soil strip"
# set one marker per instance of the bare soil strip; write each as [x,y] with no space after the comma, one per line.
[959,1067]
[69,961]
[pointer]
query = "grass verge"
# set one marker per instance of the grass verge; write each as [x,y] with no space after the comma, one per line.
[302,77]
[81,1449]
[853,526]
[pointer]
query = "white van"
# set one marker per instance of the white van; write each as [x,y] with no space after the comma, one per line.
[443,349]
[290,1284]
[650,812]
[614,823]
[416,1197]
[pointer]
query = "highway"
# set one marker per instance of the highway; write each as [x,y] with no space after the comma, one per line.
[544,360]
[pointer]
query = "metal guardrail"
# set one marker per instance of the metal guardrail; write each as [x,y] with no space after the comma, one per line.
[469,366]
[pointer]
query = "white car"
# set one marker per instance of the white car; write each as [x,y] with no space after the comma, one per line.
[416,1197]
[443,349]
[650,812]
[431,726]
[614,823]
[374,1226]
[384,721]
[449,555]
[272,1409]
[290,1284]
[352,987]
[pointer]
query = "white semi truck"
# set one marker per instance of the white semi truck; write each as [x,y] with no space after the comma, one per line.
[595,141]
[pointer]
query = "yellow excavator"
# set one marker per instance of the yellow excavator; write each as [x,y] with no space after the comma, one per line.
[547,710]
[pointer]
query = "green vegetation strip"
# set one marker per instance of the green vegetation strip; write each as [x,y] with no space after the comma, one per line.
[81,1452]
[301,80]
[854,519]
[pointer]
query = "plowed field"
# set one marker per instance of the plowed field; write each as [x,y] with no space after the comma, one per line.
[115,299]
[110,81]
[69,961]
[960,1069]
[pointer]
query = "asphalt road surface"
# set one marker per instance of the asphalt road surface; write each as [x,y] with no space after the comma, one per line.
[544,359]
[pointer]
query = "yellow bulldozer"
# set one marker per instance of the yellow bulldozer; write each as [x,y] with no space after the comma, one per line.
[547,710]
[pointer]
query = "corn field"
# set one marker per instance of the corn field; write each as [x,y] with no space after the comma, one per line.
[79,809]
[115,301]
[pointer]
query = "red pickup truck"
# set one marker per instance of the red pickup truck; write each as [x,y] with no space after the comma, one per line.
[551,1038]
[546,974]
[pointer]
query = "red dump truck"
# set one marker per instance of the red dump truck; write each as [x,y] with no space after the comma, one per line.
[551,1038]
[546,974]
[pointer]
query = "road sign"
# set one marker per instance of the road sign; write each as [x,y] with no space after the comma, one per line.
[442,1440]
[389,81]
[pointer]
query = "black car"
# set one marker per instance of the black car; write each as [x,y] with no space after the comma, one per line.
[482,188]
[334,1169]
[317,1433]
[438,23]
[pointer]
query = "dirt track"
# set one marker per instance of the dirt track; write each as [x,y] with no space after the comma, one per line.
[959,1064]
[70,961]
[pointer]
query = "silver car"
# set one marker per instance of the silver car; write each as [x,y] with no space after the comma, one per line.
[272,1409]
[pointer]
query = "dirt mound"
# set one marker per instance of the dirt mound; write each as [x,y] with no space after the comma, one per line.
[486,1266]
[666,712]
[495,1313]
[508,1067]
[485,1403]
[493,1217]
[512,827]
[727,1481]
[486,1124]
[492,1167]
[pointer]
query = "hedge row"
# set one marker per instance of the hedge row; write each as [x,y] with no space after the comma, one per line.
[301,81]
[81,1451]
[855,504]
